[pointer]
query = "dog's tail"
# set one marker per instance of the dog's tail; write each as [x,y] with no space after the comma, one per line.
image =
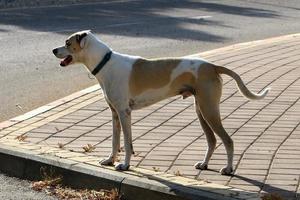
[241,85]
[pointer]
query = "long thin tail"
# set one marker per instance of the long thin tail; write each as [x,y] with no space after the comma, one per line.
[241,85]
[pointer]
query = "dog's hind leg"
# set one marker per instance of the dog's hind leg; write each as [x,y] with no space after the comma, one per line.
[213,119]
[208,96]
[211,140]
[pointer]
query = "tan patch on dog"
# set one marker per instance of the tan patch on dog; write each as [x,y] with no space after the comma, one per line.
[74,45]
[182,84]
[151,74]
[207,71]
[208,80]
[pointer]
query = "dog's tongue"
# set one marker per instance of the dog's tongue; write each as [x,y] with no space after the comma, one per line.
[66,61]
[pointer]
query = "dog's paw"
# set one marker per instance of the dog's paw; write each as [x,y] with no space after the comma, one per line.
[226,171]
[201,165]
[108,162]
[122,167]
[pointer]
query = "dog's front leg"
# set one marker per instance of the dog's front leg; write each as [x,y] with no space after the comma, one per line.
[115,139]
[125,118]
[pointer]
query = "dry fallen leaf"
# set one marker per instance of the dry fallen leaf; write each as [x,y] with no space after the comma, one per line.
[20,107]
[21,138]
[177,173]
[121,149]
[66,193]
[136,154]
[60,145]
[40,185]
[89,148]
[156,169]
[52,186]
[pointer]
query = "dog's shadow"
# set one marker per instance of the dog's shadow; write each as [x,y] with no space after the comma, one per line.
[280,193]
[185,191]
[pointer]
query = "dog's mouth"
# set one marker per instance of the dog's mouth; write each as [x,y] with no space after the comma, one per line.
[66,61]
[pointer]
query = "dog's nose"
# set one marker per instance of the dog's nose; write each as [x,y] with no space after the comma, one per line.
[54,51]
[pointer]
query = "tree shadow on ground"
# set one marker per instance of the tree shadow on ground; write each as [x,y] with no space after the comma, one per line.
[117,18]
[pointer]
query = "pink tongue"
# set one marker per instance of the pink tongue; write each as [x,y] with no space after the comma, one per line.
[62,63]
[66,61]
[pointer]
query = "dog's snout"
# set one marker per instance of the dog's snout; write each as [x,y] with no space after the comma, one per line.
[54,51]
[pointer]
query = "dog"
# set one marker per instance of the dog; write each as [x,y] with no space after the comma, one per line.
[132,82]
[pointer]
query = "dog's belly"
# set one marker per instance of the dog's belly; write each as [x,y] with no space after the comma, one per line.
[149,97]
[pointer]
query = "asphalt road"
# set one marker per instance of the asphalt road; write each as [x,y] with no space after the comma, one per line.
[31,76]
[16,189]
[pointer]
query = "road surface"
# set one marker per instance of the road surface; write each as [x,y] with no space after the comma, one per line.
[16,189]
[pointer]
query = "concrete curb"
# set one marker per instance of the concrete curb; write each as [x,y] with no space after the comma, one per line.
[25,160]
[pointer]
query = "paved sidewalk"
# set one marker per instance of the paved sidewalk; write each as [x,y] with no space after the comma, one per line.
[168,137]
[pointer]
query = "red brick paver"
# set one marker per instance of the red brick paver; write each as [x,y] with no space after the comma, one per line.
[168,137]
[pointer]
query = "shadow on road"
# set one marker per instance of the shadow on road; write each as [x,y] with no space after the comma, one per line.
[133,18]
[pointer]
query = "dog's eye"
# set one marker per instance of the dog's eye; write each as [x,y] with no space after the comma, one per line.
[68,43]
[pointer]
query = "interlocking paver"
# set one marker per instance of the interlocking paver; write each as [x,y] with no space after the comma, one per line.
[168,137]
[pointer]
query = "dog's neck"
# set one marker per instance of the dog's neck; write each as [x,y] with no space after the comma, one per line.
[95,53]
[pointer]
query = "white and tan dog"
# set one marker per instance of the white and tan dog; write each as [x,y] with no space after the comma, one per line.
[131,82]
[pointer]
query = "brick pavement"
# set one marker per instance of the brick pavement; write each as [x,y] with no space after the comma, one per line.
[168,137]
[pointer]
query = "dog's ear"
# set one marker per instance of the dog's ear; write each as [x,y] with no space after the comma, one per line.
[81,39]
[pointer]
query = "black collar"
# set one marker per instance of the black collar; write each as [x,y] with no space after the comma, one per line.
[102,63]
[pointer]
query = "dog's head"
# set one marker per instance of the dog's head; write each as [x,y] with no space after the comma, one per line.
[71,52]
